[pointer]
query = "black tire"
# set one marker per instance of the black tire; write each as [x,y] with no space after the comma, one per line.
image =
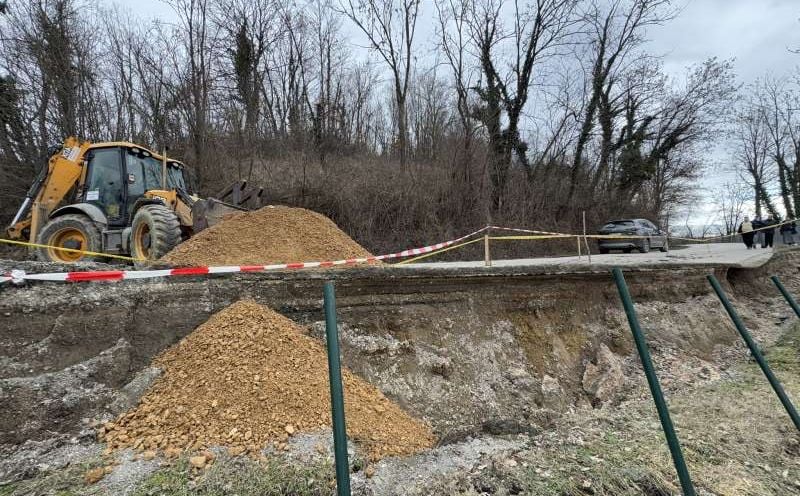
[603,251]
[664,247]
[626,250]
[645,248]
[73,231]
[155,231]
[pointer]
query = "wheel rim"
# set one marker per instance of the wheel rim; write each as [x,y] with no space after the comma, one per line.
[71,238]
[141,240]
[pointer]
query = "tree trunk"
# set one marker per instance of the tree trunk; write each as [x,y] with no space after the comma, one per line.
[606,120]
[757,193]
[402,127]
[784,179]
[795,187]
[762,196]
[583,139]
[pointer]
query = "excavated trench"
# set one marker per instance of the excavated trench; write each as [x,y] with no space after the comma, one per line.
[468,350]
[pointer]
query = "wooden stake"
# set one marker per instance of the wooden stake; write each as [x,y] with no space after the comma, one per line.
[585,240]
[487,258]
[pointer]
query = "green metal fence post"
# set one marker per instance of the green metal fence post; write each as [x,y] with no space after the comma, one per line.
[786,295]
[762,362]
[655,387]
[337,395]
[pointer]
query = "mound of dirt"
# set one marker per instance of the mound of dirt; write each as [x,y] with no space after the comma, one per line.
[249,377]
[269,235]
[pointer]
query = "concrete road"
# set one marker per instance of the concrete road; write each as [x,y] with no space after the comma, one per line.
[722,254]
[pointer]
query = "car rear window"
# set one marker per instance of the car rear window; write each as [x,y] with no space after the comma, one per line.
[619,223]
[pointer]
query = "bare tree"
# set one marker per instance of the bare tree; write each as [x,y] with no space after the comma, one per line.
[617,30]
[249,29]
[159,88]
[329,117]
[689,115]
[195,31]
[454,39]
[730,199]
[701,229]
[121,75]
[777,102]
[536,31]
[752,143]
[390,26]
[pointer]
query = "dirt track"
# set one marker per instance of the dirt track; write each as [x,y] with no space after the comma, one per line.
[707,254]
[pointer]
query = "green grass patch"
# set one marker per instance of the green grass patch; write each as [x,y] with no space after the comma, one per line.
[785,355]
[7,489]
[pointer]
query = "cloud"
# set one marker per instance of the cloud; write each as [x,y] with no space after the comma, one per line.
[757,33]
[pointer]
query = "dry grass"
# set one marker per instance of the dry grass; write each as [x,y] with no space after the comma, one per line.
[241,476]
[736,437]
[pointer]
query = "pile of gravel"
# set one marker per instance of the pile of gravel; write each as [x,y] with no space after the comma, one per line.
[269,235]
[250,378]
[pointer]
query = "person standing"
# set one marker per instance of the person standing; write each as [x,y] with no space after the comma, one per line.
[746,230]
[759,234]
[769,232]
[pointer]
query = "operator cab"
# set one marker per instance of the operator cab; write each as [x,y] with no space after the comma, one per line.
[118,174]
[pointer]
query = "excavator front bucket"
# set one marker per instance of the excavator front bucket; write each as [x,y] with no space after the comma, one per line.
[238,195]
[233,199]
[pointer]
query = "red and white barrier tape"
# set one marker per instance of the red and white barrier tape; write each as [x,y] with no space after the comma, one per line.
[18,276]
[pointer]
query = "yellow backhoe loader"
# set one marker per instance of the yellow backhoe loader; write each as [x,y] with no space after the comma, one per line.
[116,198]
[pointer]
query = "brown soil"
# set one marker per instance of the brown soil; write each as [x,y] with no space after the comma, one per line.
[249,377]
[267,236]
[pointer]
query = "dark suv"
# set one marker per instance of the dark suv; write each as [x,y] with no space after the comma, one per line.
[647,236]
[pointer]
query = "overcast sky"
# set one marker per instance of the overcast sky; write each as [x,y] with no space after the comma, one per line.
[758,34]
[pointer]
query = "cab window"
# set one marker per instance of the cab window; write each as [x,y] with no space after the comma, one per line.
[145,170]
[175,178]
[104,186]
[144,173]
[135,178]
